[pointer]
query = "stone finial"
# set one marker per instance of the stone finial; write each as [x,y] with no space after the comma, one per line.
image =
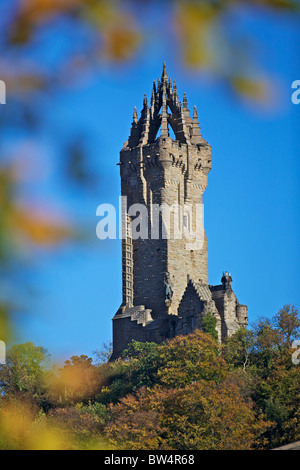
[195,114]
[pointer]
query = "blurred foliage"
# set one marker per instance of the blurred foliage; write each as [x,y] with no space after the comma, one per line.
[23,426]
[78,381]
[118,31]
[23,228]
[5,323]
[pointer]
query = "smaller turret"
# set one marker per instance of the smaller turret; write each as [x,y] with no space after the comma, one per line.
[226,280]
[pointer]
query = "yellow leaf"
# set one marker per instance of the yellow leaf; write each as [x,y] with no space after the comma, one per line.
[194,21]
[249,88]
[39,230]
[120,42]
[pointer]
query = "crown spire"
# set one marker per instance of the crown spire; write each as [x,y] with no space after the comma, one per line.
[162,111]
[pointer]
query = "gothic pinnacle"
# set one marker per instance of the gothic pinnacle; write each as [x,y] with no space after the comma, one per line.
[158,87]
[175,95]
[153,100]
[145,101]
[164,73]
[184,100]
[152,97]
[135,115]
[196,137]
[154,86]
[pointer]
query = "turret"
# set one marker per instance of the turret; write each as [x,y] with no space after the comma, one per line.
[226,280]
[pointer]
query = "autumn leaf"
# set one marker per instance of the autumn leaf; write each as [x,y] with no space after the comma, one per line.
[42,231]
[120,42]
[249,88]
[194,21]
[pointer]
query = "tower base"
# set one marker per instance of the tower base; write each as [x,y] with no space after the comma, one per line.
[136,323]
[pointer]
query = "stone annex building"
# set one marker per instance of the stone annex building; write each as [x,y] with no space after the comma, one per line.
[165,285]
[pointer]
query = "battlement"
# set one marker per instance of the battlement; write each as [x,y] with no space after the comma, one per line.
[164,153]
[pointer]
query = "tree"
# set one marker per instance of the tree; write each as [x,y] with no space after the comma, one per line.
[186,359]
[201,416]
[271,380]
[209,323]
[287,324]
[237,349]
[103,355]
[145,359]
[24,371]
[137,367]
[274,338]
[179,361]
[78,381]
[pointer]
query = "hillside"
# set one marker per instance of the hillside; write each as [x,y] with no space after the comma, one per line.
[189,393]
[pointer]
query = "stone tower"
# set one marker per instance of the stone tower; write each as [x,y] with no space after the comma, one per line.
[164,245]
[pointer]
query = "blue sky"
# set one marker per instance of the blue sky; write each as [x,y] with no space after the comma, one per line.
[251,202]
